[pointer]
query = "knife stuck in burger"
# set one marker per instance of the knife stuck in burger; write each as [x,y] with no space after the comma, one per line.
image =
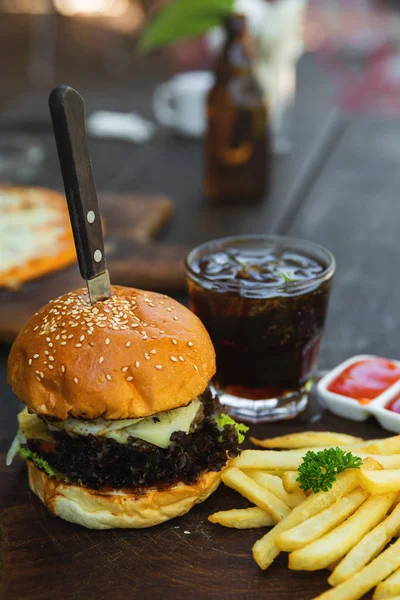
[120,427]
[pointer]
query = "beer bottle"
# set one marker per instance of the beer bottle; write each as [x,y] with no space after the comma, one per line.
[237,141]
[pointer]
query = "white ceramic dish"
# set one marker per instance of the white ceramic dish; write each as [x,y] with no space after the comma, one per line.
[350,408]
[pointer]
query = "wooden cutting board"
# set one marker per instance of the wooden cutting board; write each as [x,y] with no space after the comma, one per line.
[133,258]
[188,558]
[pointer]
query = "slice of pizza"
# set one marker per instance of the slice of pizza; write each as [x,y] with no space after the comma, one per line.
[35,234]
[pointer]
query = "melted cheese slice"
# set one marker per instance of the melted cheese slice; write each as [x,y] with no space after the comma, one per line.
[156,429]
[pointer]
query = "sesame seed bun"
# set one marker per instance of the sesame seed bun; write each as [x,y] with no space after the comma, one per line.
[112,509]
[133,355]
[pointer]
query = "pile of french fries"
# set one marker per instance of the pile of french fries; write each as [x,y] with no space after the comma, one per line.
[347,529]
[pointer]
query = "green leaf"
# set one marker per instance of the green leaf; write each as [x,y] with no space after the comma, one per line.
[183,19]
[319,469]
[224,419]
[41,462]
[287,277]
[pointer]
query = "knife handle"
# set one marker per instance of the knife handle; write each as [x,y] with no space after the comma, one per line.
[67,110]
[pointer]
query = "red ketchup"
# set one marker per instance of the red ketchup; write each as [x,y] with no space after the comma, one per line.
[365,379]
[394,405]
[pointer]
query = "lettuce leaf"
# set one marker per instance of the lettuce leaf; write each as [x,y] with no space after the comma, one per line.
[40,462]
[224,419]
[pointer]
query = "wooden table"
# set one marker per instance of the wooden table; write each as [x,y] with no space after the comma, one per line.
[339,187]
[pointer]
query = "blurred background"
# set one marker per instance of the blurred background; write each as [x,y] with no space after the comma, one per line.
[334,101]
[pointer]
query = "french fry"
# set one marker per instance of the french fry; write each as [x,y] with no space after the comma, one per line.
[307,439]
[371,464]
[388,588]
[245,518]
[277,472]
[321,523]
[290,460]
[248,488]
[290,483]
[367,548]
[386,446]
[274,485]
[265,550]
[380,482]
[336,543]
[359,584]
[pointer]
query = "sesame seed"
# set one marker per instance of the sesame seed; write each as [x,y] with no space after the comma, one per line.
[46,353]
[51,358]
[169,309]
[195,367]
[174,341]
[158,366]
[175,318]
[127,344]
[137,364]
[143,333]
[190,344]
[36,328]
[107,341]
[181,358]
[41,374]
[147,356]
[151,304]
[135,325]
[74,324]
[174,359]
[30,362]
[129,378]
[76,380]
[78,345]
[82,338]
[63,343]
[101,359]
[108,377]
[62,368]
[71,335]
[50,345]
[51,366]
[162,331]
[124,369]
[47,339]
[153,351]
[36,356]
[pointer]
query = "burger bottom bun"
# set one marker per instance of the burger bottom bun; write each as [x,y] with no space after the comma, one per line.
[107,510]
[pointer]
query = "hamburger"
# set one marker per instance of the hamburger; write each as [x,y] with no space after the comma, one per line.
[120,427]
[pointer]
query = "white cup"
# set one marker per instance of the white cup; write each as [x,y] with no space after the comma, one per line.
[180,103]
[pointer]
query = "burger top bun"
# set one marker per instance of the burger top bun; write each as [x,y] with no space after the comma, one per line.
[133,355]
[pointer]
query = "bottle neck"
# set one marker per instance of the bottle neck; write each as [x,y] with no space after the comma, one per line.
[237,55]
[235,28]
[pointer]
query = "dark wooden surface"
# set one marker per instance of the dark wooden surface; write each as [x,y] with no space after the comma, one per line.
[340,187]
[133,259]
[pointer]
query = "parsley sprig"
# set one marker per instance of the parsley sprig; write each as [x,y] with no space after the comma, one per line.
[319,469]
